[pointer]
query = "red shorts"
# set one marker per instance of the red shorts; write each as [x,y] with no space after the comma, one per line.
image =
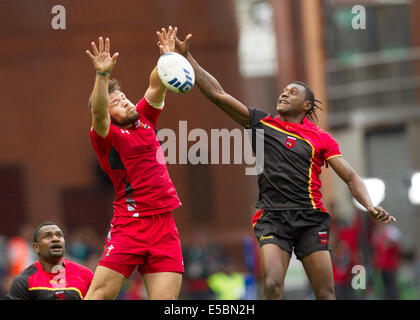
[152,243]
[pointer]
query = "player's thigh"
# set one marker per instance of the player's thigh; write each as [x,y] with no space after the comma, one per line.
[274,262]
[162,285]
[106,284]
[318,267]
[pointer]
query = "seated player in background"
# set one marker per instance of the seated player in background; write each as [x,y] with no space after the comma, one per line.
[52,277]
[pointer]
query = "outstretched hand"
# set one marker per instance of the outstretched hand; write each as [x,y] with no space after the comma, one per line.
[166,39]
[101,59]
[381,215]
[182,47]
[169,42]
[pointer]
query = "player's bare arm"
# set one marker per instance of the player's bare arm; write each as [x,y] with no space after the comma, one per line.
[103,64]
[213,91]
[155,93]
[358,189]
[210,87]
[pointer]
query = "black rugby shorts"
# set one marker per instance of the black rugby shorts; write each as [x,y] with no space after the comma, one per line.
[301,231]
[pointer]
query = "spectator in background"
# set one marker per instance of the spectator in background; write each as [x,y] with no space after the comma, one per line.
[17,254]
[19,251]
[345,254]
[201,260]
[228,283]
[83,243]
[133,289]
[250,259]
[386,257]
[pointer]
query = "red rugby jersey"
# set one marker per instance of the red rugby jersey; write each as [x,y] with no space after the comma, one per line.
[135,163]
[70,283]
[293,156]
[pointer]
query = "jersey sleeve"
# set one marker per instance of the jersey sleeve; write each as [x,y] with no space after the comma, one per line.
[101,144]
[331,147]
[19,289]
[151,113]
[255,115]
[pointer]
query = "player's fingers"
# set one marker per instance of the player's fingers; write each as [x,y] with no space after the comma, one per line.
[381,215]
[385,217]
[90,55]
[187,39]
[101,44]
[161,50]
[388,219]
[160,36]
[94,48]
[107,44]
[164,32]
[114,57]
[170,31]
[174,33]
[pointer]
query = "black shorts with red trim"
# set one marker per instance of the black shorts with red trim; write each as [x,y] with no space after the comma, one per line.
[301,231]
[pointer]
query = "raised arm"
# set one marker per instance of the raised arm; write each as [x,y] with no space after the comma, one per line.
[155,93]
[358,189]
[210,87]
[103,64]
[213,91]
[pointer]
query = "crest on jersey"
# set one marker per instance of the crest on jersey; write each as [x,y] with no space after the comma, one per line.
[323,237]
[290,142]
[60,295]
[138,123]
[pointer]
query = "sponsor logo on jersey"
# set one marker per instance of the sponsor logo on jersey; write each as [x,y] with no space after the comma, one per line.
[108,250]
[266,237]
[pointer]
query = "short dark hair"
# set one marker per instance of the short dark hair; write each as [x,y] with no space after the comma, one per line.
[113,85]
[36,232]
[311,97]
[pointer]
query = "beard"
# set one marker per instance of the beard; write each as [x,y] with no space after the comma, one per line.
[129,119]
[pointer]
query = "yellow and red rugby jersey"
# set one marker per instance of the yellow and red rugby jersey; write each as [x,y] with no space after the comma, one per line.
[293,156]
[70,283]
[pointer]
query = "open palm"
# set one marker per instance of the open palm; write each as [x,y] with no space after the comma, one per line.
[169,42]
[101,59]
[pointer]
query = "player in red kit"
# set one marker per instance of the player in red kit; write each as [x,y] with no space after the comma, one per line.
[291,216]
[143,233]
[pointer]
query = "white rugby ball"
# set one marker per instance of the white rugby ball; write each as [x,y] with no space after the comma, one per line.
[176,72]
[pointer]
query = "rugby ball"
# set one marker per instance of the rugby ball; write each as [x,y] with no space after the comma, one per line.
[175,72]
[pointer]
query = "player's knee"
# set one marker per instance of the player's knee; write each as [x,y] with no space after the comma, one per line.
[273,288]
[325,293]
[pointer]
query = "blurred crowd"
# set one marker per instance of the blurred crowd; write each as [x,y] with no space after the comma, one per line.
[210,273]
[369,261]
